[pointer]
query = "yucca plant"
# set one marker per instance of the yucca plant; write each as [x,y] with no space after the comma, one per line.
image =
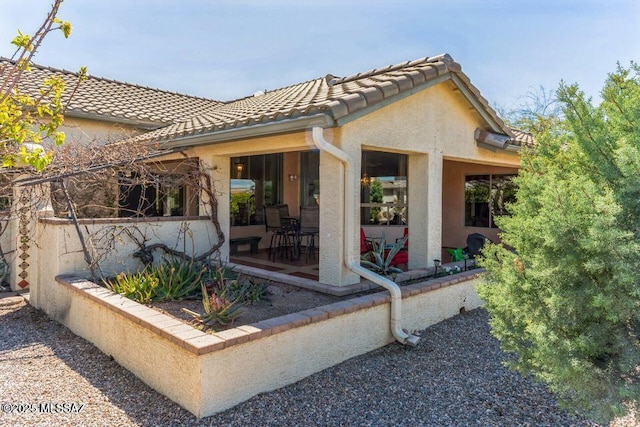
[379,259]
[140,287]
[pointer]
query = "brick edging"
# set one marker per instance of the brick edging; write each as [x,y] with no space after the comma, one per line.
[199,343]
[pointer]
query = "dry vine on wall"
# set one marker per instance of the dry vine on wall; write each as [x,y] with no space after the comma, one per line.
[128,181]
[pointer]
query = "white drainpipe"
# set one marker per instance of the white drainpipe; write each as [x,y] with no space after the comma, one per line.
[351,259]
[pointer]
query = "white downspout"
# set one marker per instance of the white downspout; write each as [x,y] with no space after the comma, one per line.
[351,259]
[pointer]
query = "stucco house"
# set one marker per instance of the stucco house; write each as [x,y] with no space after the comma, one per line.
[421,128]
[420,124]
[411,146]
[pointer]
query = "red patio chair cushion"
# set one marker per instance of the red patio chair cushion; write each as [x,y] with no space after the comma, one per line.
[401,257]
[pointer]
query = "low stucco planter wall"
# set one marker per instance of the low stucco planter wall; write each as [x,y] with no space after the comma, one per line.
[208,373]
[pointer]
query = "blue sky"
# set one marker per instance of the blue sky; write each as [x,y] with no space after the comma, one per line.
[229,49]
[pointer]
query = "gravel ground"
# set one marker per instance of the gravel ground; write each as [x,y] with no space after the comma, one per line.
[453,378]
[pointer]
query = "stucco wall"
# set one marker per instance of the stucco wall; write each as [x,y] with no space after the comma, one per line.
[437,118]
[60,251]
[85,130]
[454,232]
[112,323]
[208,373]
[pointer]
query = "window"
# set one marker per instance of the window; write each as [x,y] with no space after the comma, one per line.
[310,178]
[164,192]
[486,196]
[383,189]
[256,181]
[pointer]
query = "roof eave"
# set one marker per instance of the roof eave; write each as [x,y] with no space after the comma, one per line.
[142,124]
[493,122]
[253,131]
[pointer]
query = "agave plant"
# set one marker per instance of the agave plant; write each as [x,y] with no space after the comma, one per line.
[379,259]
[217,308]
[248,291]
[178,279]
[218,277]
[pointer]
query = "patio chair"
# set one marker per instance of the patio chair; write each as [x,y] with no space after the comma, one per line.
[475,242]
[405,233]
[366,244]
[284,211]
[283,235]
[309,227]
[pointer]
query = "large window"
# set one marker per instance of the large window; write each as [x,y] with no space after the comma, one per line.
[165,191]
[486,197]
[383,189]
[256,181]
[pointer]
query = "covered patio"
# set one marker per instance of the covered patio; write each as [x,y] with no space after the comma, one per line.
[383,150]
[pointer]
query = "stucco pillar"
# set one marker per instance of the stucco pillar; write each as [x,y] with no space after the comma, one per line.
[418,192]
[434,205]
[219,169]
[30,204]
[23,230]
[332,204]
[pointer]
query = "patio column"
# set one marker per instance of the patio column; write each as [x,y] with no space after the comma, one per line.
[434,206]
[419,236]
[425,208]
[220,170]
[332,204]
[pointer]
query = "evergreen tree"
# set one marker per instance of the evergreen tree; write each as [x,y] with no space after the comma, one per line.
[376,196]
[565,301]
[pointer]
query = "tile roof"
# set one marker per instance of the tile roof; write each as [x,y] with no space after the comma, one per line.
[522,138]
[175,116]
[330,95]
[335,97]
[117,101]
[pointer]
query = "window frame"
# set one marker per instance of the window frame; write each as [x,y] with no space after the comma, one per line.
[155,197]
[366,208]
[273,186]
[489,202]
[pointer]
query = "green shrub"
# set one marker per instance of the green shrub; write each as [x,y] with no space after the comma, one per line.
[247,291]
[172,280]
[566,302]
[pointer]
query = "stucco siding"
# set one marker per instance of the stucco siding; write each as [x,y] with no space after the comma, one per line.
[435,119]
[80,130]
